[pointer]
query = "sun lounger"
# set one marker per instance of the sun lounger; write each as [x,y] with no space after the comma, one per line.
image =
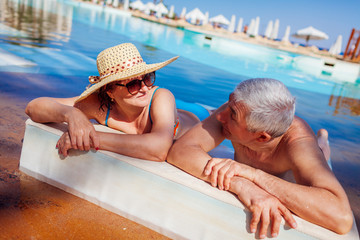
[156,195]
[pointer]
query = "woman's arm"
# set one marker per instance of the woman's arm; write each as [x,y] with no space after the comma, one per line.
[45,109]
[81,131]
[152,146]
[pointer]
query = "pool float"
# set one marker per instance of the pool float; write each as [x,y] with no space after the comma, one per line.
[201,111]
[154,194]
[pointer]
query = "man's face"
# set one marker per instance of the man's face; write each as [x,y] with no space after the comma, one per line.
[233,120]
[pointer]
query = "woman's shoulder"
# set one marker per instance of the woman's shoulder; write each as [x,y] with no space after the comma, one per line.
[162,93]
[90,106]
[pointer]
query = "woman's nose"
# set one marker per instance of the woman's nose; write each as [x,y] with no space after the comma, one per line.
[143,86]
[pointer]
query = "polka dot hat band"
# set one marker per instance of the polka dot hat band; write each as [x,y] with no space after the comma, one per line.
[118,63]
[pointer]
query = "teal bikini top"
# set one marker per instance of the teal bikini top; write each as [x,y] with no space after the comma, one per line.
[176,125]
[108,111]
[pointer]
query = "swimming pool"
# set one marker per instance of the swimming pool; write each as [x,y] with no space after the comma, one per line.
[49,48]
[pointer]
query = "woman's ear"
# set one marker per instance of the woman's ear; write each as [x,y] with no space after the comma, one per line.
[263,137]
[110,94]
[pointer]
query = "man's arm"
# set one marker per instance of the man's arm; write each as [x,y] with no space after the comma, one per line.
[317,189]
[190,154]
[317,196]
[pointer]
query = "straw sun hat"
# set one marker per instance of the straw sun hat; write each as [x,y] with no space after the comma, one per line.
[119,63]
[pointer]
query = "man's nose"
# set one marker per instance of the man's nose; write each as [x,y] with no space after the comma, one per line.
[221,117]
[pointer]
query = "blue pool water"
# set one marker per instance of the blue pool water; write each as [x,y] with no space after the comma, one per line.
[49,48]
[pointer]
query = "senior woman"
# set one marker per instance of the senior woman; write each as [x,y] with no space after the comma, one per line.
[124,98]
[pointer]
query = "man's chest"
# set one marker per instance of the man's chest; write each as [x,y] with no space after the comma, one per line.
[275,164]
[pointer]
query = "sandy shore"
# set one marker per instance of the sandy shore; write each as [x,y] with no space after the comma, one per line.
[30,209]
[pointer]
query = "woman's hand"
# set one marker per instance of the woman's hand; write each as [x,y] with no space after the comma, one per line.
[64,144]
[81,132]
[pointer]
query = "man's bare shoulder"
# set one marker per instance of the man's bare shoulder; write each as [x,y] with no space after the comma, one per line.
[299,130]
[299,145]
[302,149]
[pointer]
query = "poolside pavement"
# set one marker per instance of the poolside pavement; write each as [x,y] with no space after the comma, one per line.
[30,209]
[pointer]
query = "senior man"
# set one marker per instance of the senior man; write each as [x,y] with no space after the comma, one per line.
[269,142]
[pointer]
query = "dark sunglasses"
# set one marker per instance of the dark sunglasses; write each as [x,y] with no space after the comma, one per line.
[134,86]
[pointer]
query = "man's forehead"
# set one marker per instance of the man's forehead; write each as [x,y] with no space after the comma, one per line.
[231,97]
[236,106]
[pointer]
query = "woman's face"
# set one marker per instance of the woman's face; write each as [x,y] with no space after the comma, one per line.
[121,93]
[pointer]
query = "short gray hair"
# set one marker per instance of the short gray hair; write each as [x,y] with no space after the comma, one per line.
[270,106]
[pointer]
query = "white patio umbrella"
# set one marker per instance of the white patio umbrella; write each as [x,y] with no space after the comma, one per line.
[251,28]
[257,24]
[239,26]
[171,12]
[231,27]
[268,29]
[275,31]
[150,6]
[138,5]
[335,49]
[220,19]
[206,20]
[126,5]
[310,33]
[195,15]
[183,13]
[160,10]
[286,35]
[115,3]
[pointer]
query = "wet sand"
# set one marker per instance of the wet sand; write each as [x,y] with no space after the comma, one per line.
[30,209]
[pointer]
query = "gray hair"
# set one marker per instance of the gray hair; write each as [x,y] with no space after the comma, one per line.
[270,105]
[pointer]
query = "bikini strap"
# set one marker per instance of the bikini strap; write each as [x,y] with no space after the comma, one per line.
[107,116]
[150,104]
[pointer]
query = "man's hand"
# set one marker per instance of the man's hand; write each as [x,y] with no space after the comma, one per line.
[222,170]
[81,131]
[265,208]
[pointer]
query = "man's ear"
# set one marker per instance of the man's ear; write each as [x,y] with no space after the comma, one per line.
[263,137]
